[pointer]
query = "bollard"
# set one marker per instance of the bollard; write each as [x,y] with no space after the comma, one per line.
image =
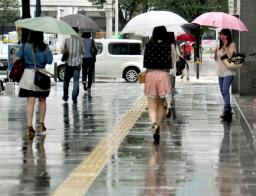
[55,72]
[197,68]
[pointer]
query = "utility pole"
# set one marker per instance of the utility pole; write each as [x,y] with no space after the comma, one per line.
[109,13]
[25,14]
[38,8]
[25,9]
[116,18]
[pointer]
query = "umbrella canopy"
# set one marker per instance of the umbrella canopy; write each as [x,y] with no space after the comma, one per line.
[144,24]
[46,24]
[82,22]
[186,37]
[220,20]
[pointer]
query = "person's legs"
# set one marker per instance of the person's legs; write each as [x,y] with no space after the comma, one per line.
[152,110]
[76,76]
[159,111]
[226,95]
[84,72]
[90,72]
[68,73]
[42,111]
[30,110]
[221,80]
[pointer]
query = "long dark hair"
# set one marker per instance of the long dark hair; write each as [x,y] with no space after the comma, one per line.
[159,33]
[170,37]
[227,33]
[37,39]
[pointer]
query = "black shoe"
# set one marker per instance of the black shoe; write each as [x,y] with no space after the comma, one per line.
[156,135]
[169,112]
[85,88]
[65,99]
[227,116]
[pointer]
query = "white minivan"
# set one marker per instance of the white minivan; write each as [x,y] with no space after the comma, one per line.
[116,58]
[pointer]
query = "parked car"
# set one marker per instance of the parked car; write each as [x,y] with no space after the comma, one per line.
[116,58]
[3,57]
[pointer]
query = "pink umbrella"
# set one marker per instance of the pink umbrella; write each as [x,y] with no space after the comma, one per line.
[220,20]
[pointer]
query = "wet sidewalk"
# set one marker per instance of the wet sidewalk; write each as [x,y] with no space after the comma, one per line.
[104,144]
[198,154]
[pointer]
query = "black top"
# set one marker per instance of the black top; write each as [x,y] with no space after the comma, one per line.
[157,55]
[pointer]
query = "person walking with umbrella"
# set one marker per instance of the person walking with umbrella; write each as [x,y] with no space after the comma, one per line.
[89,58]
[35,53]
[73,46]
[226,49]
[157,61]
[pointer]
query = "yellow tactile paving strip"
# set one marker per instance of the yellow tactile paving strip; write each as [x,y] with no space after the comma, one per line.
[83,176]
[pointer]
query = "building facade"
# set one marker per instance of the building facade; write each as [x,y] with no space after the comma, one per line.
[61,8]
[246,78]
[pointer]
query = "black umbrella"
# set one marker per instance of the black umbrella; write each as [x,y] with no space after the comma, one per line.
[82,22]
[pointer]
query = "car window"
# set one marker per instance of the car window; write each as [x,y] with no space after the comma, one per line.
[99,47]
[124,48]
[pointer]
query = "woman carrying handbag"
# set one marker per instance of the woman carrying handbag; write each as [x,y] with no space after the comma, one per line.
[226,49]
[36,54]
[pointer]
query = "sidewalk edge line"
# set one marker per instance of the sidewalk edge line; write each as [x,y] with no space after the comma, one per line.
[246,121]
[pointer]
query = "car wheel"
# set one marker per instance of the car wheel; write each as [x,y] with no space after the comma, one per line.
[130,74]
[60,72]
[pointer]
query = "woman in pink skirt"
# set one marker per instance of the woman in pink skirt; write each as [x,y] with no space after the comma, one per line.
[158,62]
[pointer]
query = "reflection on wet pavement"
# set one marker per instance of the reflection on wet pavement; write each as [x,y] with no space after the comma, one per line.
[198,154]
[38,167]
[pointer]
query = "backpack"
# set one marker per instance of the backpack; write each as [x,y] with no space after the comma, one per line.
[180,65]
[94,49]
[158,55]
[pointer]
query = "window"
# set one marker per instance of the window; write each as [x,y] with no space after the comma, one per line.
[210,35]
[124,48]
[99,47]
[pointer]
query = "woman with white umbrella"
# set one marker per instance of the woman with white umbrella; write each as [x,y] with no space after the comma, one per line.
[157,61]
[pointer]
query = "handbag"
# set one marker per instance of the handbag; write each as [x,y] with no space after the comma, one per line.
[180,65]
[41,79]
[65,54]
[17,70]
[141,77]
[235,62]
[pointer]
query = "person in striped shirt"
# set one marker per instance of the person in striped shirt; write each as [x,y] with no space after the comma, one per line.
[72,65]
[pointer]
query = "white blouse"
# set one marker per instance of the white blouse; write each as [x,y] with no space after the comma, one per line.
[222,70]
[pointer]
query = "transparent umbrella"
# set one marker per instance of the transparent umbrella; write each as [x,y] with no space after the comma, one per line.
[144,24]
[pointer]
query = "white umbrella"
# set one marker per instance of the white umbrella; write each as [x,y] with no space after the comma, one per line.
[144,24]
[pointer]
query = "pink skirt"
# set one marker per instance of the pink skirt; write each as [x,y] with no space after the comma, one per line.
[157,84]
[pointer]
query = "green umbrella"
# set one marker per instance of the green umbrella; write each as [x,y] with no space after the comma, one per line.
[46,24]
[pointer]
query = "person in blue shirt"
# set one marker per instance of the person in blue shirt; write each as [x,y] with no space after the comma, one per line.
[35,53]
[89,58]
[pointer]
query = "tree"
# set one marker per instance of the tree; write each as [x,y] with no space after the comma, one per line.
[128,8]
[190,9]
[25,9]
[8,12]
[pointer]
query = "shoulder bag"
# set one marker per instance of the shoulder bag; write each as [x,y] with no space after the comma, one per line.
[65,54]
[141,77]
[17,69]
[235,62]
[41,79]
